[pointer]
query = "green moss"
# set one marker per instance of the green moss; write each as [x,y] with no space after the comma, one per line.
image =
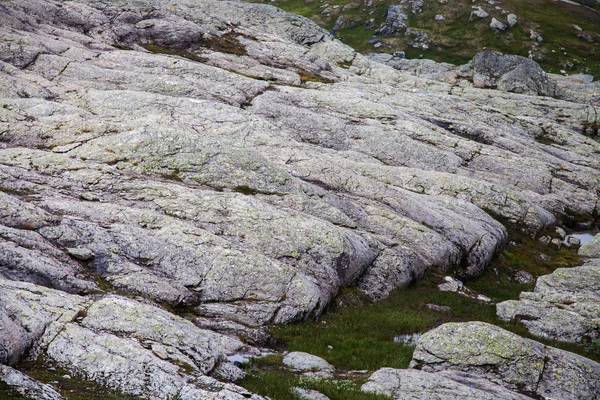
[270,360]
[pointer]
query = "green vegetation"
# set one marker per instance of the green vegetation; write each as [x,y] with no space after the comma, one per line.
[458,38]
[70,386]
[356,334]
[7,393]
[277,385]
[523,253]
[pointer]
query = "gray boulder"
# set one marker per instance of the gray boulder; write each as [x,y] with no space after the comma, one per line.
[563,307]
[410,384]
[308,364]
[512,73]
[479,12]
[514,362]
[497,25]
[395,20]
[308,394]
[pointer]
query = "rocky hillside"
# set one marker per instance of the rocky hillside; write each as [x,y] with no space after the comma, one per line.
[561,35]
[177,177]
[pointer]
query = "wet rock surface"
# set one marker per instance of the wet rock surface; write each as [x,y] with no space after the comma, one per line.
[235,164]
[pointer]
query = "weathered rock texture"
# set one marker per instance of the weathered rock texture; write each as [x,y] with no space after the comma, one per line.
[135,348]
[25,386]
[514,362]
[565,305]
[236,162]
[410,384]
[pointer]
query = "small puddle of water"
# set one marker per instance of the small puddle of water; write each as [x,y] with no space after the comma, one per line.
[583,236]
[410,339]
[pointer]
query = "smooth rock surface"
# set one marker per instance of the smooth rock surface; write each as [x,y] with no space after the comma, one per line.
[591,249]
[239,163]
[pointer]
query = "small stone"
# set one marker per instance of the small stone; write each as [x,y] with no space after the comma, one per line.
[497,25]
[89,196]
[533,35]
[545,240]
[572,241]
[546,258]
[358,372]
[308,364]
[556,243]
[511,19]
[438,308]
[484,298]
[561,232]
[439,17]
[523,277]
[308,394]
[451,285]
[66,376]
[591,249]
[82,254]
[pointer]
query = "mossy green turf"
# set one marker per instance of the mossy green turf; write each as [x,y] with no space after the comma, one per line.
[277,385]
[458,39]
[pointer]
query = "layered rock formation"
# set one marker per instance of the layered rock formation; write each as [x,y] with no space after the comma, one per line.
[476,360]
[236,163]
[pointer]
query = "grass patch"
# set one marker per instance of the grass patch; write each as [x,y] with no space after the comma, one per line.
[357,334]
[8,393]
[277,385]
[523,253]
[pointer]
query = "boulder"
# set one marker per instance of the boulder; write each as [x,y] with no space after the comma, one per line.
[395,20]
[308,364]
[591,249]
[498,26]
[479,12]
[308,394]
[563,307]
[410,384]
[503,357]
